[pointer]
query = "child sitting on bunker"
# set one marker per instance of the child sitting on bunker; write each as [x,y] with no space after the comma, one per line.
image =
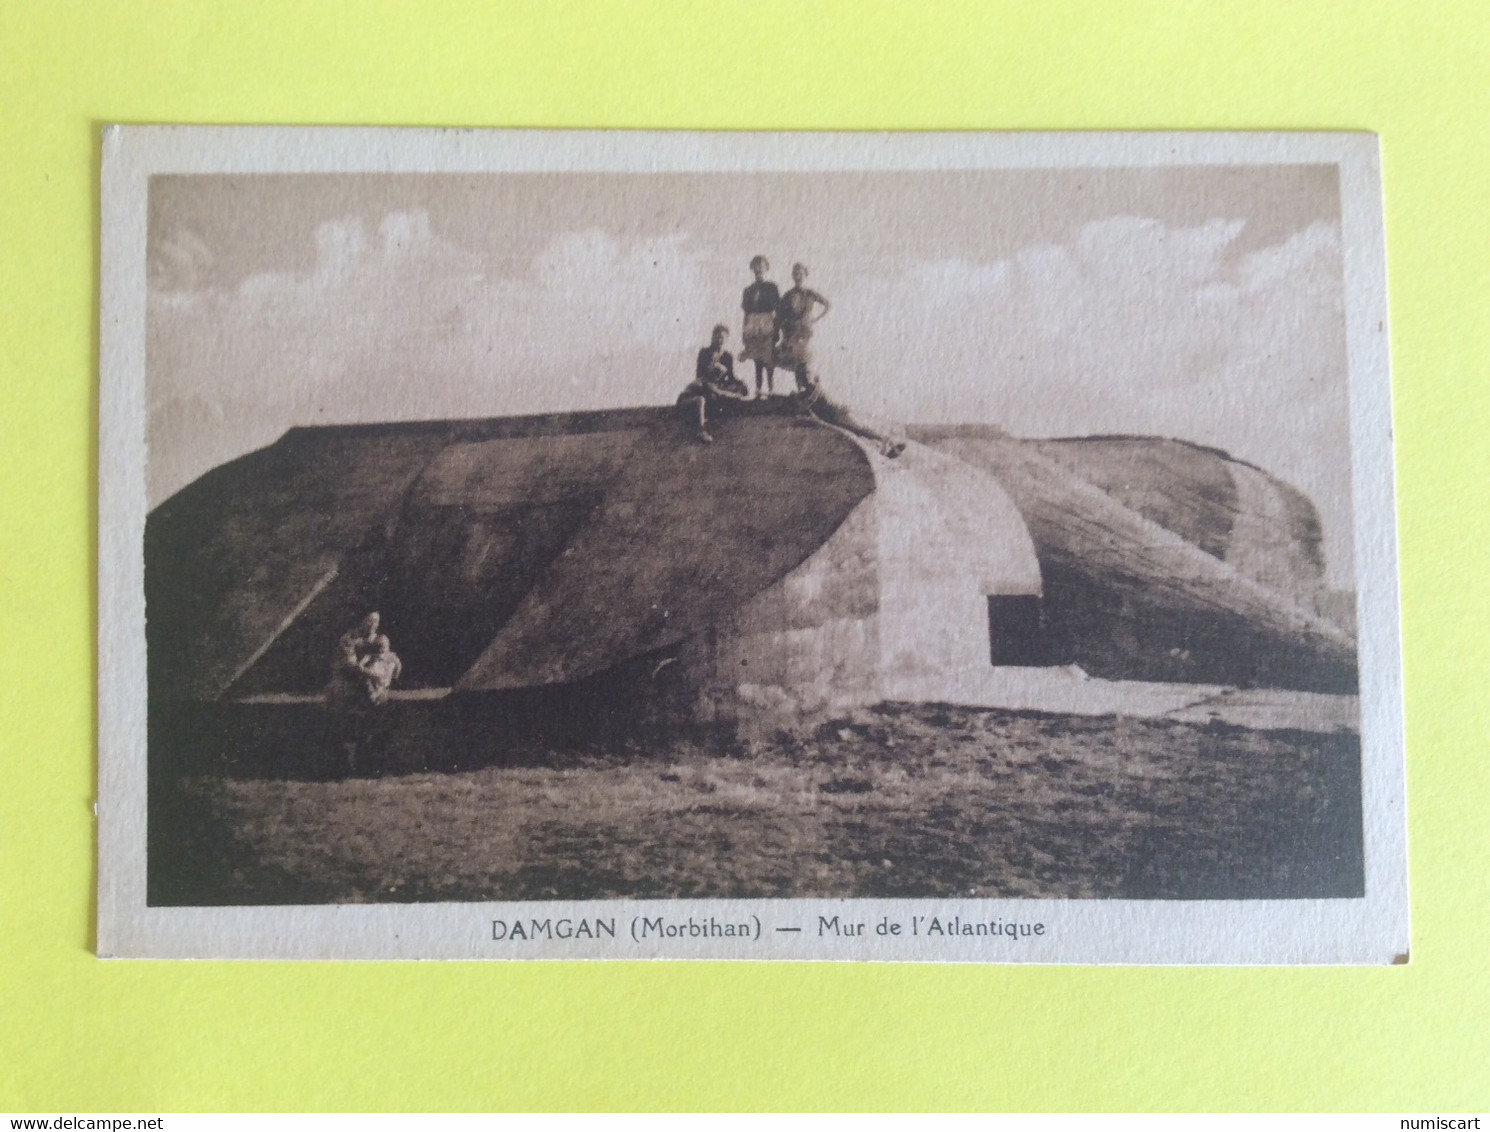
[713,385]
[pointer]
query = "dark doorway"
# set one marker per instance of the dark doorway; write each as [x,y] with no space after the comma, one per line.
[1014,631]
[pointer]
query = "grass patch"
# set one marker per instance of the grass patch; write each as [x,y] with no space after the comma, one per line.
[923,800]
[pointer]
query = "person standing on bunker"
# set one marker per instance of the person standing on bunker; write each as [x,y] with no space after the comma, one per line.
[794,322]
[713,383]
[758,336]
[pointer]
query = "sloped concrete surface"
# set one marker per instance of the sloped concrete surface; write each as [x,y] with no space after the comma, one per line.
[685,534]
[1266,529]
[232,560]
[1070,691]
[1129,599]
[1275,709]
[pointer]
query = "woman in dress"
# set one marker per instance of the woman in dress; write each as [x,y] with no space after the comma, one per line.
[794,322]
[758,338]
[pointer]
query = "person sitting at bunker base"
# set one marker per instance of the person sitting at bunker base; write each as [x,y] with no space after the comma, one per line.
[380,669]
[713,383]
[348,679]
[362,671]
[812,400]
[364,668]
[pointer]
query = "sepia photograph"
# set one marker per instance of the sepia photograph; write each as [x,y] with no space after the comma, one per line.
[743,546]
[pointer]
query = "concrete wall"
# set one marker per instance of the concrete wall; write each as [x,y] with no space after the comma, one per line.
[949,537]
[1276,537]
[785,570]
[896,599]
[1128,599]
[807,645]
[1266,529]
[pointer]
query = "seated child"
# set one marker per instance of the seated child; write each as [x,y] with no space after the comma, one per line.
[713,383]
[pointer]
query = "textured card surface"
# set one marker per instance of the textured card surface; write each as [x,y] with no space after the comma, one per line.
[926,547]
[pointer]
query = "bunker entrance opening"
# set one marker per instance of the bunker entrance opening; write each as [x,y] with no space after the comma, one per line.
[1015,631]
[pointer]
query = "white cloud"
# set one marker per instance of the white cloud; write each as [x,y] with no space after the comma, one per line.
[403,325]
[1131,327]
[600,296]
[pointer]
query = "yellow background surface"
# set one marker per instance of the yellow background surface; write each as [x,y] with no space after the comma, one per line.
[80,1035]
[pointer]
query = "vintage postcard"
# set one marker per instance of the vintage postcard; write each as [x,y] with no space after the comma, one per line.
[601,545]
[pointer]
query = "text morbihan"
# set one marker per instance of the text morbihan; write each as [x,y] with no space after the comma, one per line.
[657,926]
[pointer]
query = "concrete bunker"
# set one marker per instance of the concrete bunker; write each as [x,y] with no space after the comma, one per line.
[603,559]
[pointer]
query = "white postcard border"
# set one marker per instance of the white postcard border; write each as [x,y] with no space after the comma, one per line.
[1372,929]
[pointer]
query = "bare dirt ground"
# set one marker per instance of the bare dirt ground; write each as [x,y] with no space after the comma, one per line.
[923,800]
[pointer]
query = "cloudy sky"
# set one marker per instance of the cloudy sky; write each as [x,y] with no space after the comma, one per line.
[1203,303]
